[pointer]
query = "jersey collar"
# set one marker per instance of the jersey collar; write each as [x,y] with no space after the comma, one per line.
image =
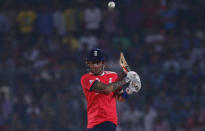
[103,73]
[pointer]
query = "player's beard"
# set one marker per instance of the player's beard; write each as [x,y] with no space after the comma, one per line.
[97,70]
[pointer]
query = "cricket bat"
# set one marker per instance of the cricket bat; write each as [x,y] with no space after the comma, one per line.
[123,63]
[126,68]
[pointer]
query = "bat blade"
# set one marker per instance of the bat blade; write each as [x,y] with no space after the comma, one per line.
[123,63]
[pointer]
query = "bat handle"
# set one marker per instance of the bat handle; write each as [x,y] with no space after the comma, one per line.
[126,69]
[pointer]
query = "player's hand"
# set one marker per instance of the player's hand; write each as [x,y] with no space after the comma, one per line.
[135,84]
[131,76]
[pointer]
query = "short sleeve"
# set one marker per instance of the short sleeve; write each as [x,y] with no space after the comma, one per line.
[87,82]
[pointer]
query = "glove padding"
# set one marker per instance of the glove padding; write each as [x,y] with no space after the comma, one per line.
[135,82]
[131,75]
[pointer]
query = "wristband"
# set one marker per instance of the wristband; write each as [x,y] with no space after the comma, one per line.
[125,95]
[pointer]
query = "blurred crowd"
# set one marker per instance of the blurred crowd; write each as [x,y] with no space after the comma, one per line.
[42,52]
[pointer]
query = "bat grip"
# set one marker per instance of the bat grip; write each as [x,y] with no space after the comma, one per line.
[126,69]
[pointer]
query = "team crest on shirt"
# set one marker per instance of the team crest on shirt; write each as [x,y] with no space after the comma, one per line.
[95,53]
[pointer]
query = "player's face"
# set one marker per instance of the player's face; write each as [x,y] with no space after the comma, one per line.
[96,67]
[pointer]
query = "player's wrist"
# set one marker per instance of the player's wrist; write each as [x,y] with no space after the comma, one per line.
[126,79]
[125,94]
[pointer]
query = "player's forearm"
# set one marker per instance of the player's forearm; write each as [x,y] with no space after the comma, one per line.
[116,85]
[108,88]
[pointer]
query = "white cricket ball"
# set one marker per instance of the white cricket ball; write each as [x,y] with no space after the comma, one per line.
[111,4]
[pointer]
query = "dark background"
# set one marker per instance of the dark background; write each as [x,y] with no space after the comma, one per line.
[42,49]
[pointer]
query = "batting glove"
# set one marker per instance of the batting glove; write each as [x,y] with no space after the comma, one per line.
[135,82]
[131,75]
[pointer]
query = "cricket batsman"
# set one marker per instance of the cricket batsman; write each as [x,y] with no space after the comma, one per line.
[102,89]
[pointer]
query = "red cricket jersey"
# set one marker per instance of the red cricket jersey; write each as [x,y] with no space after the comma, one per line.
[100,107]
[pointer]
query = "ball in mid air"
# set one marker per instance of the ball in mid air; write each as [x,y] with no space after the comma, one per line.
[111,4]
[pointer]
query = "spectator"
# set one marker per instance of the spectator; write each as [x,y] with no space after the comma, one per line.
[4,22]
[73,19]
[149,118]
[93,18]
[26,19]
[87,41]
[59,20]
[45,21]
[111,21]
